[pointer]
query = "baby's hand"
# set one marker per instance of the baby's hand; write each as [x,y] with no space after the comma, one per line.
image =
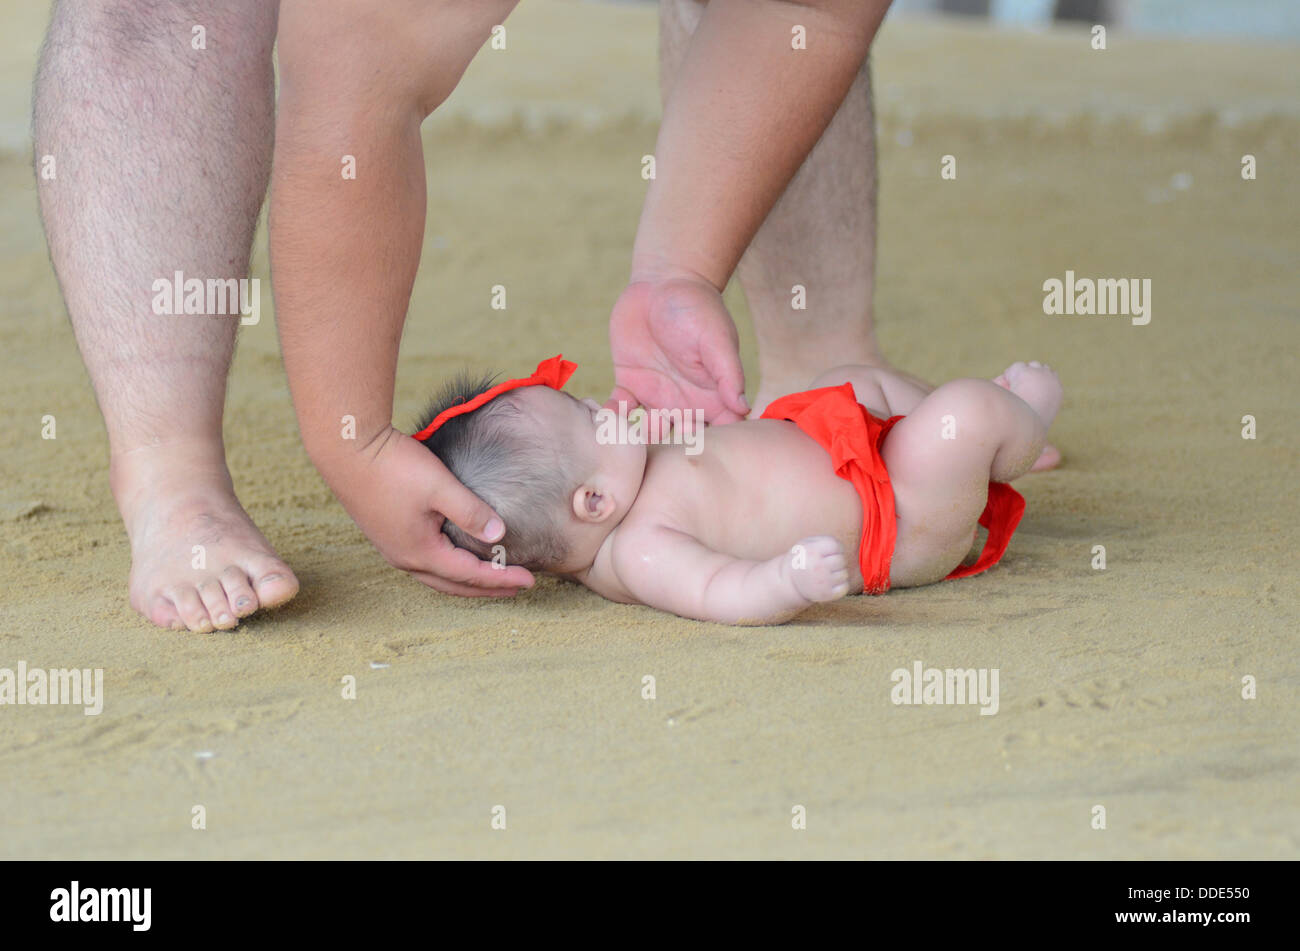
[817,569]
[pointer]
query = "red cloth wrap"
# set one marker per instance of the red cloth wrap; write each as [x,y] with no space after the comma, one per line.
[853,437]
[554,373]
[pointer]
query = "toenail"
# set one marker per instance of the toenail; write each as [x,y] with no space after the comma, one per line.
[242,603]
[223,618]
[275,577]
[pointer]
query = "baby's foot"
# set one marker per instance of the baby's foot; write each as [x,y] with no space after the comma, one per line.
[818,569]
[1037,384]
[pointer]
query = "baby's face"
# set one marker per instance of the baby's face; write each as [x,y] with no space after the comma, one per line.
[615,469]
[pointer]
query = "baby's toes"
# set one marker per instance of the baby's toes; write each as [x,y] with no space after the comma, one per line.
[1008,376]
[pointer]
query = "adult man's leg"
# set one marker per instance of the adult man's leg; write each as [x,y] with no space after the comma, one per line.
[821,235]
[162,156]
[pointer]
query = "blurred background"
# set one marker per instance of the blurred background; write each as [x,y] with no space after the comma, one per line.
[1246,18]
[1269,19]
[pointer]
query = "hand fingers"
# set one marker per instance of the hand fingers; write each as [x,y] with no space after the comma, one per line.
[461,590]
[466,510]
[723,364]
[624,395]
[458,566]
[718,417]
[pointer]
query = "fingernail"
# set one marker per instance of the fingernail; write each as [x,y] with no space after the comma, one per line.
[493,530]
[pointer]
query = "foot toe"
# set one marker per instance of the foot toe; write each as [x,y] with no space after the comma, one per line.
[239,592]
[191,610]
[213,596]
[274,582]
[1049,458]
[163,613]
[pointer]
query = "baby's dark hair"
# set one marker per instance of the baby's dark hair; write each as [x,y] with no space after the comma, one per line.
[513,467]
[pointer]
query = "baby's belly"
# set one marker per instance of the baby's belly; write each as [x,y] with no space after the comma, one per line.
[761,486]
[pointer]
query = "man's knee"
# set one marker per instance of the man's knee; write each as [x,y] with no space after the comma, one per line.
[156,33]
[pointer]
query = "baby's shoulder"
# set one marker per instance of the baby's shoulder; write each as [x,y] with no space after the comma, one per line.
[639,534]
[634,546]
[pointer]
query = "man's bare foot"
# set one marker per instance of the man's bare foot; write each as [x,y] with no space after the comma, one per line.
[197,561]
[786,380]
[771,388]
[1038,385]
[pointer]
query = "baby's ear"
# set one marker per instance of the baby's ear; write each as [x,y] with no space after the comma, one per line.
[589,505]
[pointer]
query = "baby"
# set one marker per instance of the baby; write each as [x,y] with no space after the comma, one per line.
[766,519]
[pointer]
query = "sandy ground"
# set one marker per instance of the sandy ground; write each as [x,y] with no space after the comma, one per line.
[1119,687]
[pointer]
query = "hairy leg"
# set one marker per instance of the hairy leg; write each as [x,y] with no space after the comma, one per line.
[943,455]
[820,236]
[162,154]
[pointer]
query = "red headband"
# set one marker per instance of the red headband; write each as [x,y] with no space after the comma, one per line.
[553,373]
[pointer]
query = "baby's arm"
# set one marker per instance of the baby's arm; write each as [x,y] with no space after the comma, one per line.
[670,570]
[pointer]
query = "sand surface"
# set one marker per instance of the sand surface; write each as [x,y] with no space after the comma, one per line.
[1119,687]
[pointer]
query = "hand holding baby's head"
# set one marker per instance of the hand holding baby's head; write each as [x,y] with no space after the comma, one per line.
[533,455]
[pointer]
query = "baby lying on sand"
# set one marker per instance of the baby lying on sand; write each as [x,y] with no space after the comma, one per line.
[766,519]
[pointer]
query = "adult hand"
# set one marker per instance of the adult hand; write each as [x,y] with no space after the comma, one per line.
[399,494]
[675,347]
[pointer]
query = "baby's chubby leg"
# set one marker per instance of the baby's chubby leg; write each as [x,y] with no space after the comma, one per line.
[943,455]
[889,393]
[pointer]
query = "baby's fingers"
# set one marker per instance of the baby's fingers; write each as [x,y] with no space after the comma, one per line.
[823,545]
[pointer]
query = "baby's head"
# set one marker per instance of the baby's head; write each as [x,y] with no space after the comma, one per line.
[532,454]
